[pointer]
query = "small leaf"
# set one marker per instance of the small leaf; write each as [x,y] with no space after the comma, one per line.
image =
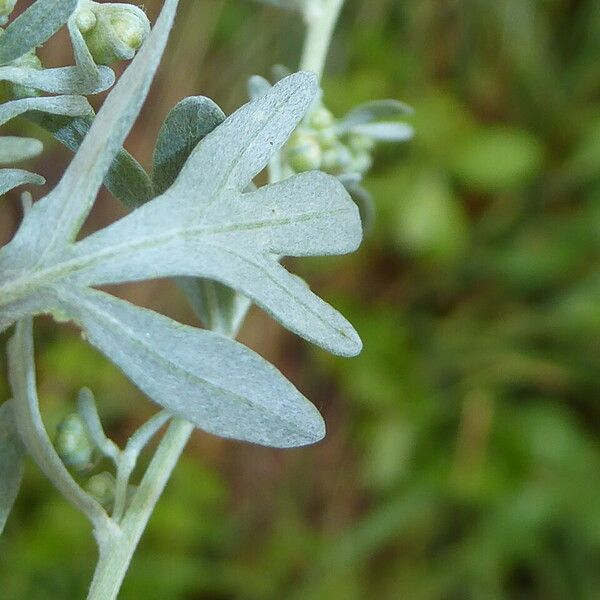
[372,111]
[33,27]
[14,149]
[12,453]
[83,58]
[62,80]
[60,105]
[186,125]
[215,382]
[12,178]
[385,132]
[258,86]
[126,179]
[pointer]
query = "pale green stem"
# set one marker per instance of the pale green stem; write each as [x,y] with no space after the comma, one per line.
[116,550]
[129,456]
[34,435]
[320,26]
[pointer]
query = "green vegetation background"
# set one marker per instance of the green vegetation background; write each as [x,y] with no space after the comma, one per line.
[462,460]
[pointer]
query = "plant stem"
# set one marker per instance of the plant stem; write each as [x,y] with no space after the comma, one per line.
[116,551]
[34,435]
[320,28]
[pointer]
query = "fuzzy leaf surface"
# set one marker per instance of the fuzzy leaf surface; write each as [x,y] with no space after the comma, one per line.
[211,380]
[34,26]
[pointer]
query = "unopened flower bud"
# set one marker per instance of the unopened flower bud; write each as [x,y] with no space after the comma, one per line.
[320,118]
[359,142]
[337,160]
[72,443]
[327,137]
[303,152]
[112,32]
[102,488]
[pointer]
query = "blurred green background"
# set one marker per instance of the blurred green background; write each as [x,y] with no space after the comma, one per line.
[462,459]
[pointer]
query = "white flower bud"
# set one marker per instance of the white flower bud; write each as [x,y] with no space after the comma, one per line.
[327,137]
[112,32]
[320,118]
[303,152]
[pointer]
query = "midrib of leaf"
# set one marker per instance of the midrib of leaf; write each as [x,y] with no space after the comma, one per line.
[23,285]
[119,327]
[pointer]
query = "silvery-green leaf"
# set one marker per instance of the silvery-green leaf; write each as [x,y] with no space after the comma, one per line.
[385,132]
[372,111]
[59,105]
[12,178]
[34,26]
[126,179]
[233,241]
[14,149]
[56,219]
[12,454]
[234,153]
[186,125]
[83,58]
[365,203]
[257,86]
[215,382]
[218,307]
[62,80]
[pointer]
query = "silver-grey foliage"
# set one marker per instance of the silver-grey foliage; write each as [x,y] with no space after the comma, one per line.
[207,222]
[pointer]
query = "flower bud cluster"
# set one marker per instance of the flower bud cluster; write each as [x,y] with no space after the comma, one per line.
[112,32]
[317,144]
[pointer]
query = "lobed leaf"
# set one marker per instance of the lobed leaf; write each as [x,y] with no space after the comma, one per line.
[233,241]
[213,381]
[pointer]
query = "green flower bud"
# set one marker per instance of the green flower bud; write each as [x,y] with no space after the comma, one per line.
[327,137]
[112,32]
[321,118]
[102,488]
[73,444]
[337,160]
[6,7]
[303,152]
[359,142]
